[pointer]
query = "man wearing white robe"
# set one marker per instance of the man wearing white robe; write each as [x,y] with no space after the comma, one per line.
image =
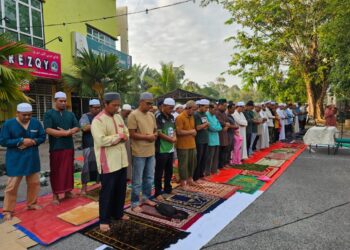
[242,123]
[282,117]
[270,121]
[264,140]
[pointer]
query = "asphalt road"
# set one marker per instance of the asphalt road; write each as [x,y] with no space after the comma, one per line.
[308,207]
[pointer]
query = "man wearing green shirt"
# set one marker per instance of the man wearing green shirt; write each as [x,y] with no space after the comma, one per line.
[202,138]
[165,148]
[61,125]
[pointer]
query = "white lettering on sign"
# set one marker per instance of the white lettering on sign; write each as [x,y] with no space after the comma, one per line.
[29,61]
[11,59]
[46,64]
[20,60]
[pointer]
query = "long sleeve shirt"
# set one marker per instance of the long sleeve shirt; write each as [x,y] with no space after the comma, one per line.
[214,129]
[22,162]
[110,150]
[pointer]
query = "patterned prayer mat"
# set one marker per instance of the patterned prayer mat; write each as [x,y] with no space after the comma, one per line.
[198,203]
[152,214]
[216,189]
[293,145]
[251,166]
[271,162]
[137,233]
[285,150]
[279,156]
[269,172]
[248,183]
[95,195]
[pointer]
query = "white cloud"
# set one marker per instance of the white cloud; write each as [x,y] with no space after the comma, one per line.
[186,34]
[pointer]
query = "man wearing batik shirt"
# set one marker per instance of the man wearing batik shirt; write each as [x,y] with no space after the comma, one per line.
[110,134]
[165,148]
[61,125]
[202,138]
[89,172]
[22,136]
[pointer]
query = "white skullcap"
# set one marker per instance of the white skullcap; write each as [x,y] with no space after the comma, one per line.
[240,104]
[169,101]
[94,102]
[60,94]
[198,102]
[204,102]
[126,107]
[178,106]
[273,103]
[259,104]
[24,107]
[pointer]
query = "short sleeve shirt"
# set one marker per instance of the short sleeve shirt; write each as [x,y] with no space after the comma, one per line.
[143,123]
[185,122]
[166,125]
[60,119]
[202,136]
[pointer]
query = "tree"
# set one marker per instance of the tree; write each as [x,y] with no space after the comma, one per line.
[94,74]
[11,77]
[278,37]
[169,78]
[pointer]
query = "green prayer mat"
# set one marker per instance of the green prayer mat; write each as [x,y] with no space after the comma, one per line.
[248,183]
[247,166]
[77,181]
[137,233]
[284,150]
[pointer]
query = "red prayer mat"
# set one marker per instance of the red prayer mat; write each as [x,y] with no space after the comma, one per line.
[225,175]
[269,172]
[44,223]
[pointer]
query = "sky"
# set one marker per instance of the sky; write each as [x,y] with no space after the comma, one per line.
[187,34]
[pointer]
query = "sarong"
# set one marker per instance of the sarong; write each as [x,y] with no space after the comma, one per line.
[236,152]
[89,172]
[62,170]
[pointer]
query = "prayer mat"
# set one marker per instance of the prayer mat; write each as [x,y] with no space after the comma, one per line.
[285,150]
[251,166]
[81,214]
[224,175]
[293,145]
[215,189]
[271,162]
[248,183]
[136,234]
[43,225]
[77,181]
[279,156]
[198,203]
[94,194]
[269,172]
[152,214]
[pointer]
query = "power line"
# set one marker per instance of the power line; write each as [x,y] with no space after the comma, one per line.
[146,11]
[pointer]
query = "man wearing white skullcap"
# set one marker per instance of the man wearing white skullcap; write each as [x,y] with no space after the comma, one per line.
[202,137]
[89,172]
[178,110]
[61,125]
[22,136]
[282,119]
[165,146]
[126,110]
[242,122]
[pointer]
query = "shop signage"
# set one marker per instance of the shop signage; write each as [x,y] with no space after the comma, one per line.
[41,63]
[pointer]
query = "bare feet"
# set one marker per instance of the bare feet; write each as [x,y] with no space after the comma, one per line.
[150,203]
[105,228]
[56,199]
[125,217]
[7,216]
[160,198]
[68,195]
[34,207]
[83,189]
[137,209]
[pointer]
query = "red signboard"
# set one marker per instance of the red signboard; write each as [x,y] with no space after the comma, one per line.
[42,63]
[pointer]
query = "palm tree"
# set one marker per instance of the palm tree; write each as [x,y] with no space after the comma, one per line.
[94,74]
[11,77]
[169,78]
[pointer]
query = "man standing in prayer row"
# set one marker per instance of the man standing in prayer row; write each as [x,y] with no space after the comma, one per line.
[110,134]
[224,143]
[143,133]
[22,136]
[282,118]
[186,144]
[242,122]
[126,110]
[165,148]
[178,110]
[211,166]
[270,121]
[289,121]
[202,138]
[251,128]
[89,172]
[61,125]
[264,139]
[231,130]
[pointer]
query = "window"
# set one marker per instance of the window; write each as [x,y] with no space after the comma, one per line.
[23,20]
[101,37]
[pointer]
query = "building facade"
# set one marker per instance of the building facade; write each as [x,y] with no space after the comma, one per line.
[46,26]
